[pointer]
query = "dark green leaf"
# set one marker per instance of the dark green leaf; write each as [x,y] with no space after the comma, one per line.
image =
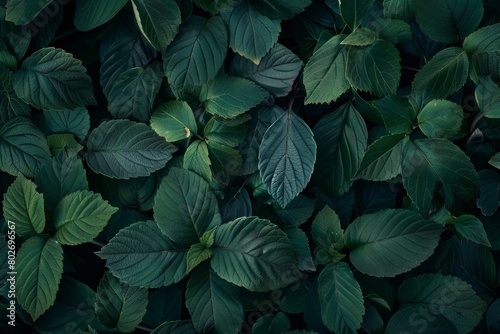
[91,14]
[22,12]
[175,327]
[487,96]
[11,106]
[123,149]
[440,119]
[326,231]
[398,9]
[353,11]
[483,46]
[471,228]
[297,211]
[75,121]
[489,200]
[286,157]
[226,161]
[342,139]
[164,305]
[391,242]
[185,206]
[340,298]
[397,113]
[360,37]
[281,9]
[271,324]
[394,31]
[52,79]
[227,135]
[300,245]
[196,160]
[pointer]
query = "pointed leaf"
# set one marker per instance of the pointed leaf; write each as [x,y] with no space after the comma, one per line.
[324,74]
[472,229]
[23,205]
[489,200]
[80,217]
[141,255]
[174,120]
[213,303]
[495,161]
[374,68]
[255,254]
[326,231]
[352,11]
[391,242]
[391,30]
[397,113]
[340,299]
[91,14]
[342,139]
[398,9]
[271,324]
[286,157]
[448,21]
[118,305]
[300,245]
[159,21]
[196,254]
[251,34]
[281,9]
[444,74]
[487,95]
[225,160]
[52,79]
[122,149]
[196,160]
[39,264]
[483,46]
[428,163]
[185,206]
[440,119]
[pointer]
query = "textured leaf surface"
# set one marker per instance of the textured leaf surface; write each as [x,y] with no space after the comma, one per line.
[23,147]
[340,298]
[118,305]
[489,199]
[270,323]
[174,120]
[23,205]
[197,160]
[22,12]
[352,12]
[123,149]
[342,140]
[440,119]
[213,303]
[52,79]
[141,255]
[91,14]
[185,206]
[483,46]
[427,162]
[397,113]
[255,254]
[39,264]
[487,95]
[286,157]
[80,216]
[471,228]
[391,242]
[75,121]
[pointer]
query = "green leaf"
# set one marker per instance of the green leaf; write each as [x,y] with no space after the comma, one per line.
[141,255]
[118,305]
[400,322]
[75,121]
[255,254]
[229,96]
[398,9]
[164,304]
[197,53]
[22,12]
[175,327]
[286,157]
[495,161]
[23,205]
[271,324]
[251,34]
[52,79]
[185,206]
[196,160]
[23,147]
[281,9]
[276,71]
[227,135]
[487,95]
[352,11]
[342,139]
[397,113]
[297,211]
[226,161]
[214,304]
[340,299]
[65,142]
[429,163]
[489,200]
[300,245]
[61,176]
[91,14]
[455,299]
[174,120]
[214,7]
[483,46]
[444,74]
[326,231]
[391,30]
[448,21]
[390,242]
[324,74]
[158,21]
[196,254]
[471,228]
[133,93]
[374,68]
[11,107]
[122,149]
[39,264]
[360,37]
[80,217]
[440,119]
[383,158]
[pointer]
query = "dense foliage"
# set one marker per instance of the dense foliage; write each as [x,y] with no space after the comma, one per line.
[265,166]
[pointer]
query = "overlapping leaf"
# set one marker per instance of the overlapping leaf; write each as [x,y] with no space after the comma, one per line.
[91,14]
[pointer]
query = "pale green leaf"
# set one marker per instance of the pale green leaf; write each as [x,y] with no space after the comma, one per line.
[123,149]
[196,254]
[360,37]
[80,217]
[141,255]
[297,211]
[23,205]
[471,228]
[440,119]
[286,157]
[390,242]
[91,14]
[52,79]
[39,265]
[185,206]
[174,120]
